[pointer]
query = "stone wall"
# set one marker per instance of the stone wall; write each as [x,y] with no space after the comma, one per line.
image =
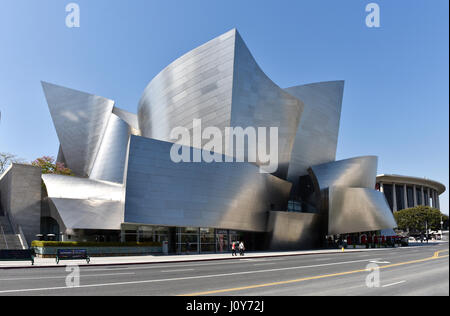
[20,198]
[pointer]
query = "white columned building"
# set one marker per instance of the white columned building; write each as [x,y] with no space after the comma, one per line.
[430,190]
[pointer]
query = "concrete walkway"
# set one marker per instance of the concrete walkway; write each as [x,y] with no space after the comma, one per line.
[102,261]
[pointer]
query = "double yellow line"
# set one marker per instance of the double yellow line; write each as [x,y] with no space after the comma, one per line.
[434,257]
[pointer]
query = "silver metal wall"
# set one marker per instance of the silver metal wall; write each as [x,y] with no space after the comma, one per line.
[294,230]
[347,196]
[257,101]
[85,203]
[359,172]
[80,120]
[317,134]
[196,85]
[218,195]
[110,161]
[354,210]
[96,214]
[220,83]
[130,118]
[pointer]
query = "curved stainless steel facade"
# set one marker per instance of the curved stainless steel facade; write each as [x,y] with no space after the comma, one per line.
[219,195]
[347,197]
[196,85]
[258,102]
[84,203]
[80,121]
[125,174]
[353,210]
[110,161]
[220,83]
[359,172]
[317,134]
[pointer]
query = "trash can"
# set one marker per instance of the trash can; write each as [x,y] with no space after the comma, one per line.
[165,247]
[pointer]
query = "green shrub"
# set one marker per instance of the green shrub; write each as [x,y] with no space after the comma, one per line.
[62,244]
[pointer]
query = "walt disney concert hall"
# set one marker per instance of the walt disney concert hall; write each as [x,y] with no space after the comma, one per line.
[127,188]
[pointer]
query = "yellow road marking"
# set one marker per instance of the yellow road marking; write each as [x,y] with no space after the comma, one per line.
[434,257]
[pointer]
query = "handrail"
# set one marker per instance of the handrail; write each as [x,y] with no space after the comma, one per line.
[22,238]
[4,237]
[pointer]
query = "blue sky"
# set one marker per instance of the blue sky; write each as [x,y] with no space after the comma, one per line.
[396,102]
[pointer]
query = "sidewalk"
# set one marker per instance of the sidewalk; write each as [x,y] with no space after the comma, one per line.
[152,259]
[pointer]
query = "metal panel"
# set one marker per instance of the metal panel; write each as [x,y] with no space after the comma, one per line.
[259,102]
[294,231]
[130,118]
[358,210]
[359,172]
[84,203]
[220,83]
[219,195]
[317,134]
[80,120]
[196,85]
[110,161]
[89,214]
[81,188]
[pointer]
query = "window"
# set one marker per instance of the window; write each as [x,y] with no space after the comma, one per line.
[399,195]
[410,193]
[419,195]
[388,194]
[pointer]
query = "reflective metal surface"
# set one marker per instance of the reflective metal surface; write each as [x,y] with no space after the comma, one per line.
[220,83]
[217,195]
[81,188]
[96,214]
[85,203]
[347,197]
[110,161]
[124,177]
[294,230]
[354,210]
[80,120]
[317,134]
[359,172]
[196,85]
[130,118]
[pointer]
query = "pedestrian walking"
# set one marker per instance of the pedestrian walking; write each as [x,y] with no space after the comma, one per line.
[241,248]
[233,249]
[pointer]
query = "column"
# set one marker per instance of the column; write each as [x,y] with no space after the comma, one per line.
[437,201]
[428,193]
[405,197]
[394,198]
[415,195]
[423,195]
[381,187]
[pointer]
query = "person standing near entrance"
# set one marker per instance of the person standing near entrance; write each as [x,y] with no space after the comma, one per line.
[233,249]
[241,248]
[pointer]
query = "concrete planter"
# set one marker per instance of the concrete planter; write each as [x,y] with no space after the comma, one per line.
[50,252]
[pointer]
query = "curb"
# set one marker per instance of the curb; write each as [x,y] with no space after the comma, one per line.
[185,261]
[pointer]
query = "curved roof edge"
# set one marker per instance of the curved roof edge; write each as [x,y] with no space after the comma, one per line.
[395,178]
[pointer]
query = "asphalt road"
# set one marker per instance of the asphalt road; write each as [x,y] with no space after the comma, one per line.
[402,271]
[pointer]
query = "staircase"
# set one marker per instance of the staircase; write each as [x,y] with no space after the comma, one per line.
[8,240]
